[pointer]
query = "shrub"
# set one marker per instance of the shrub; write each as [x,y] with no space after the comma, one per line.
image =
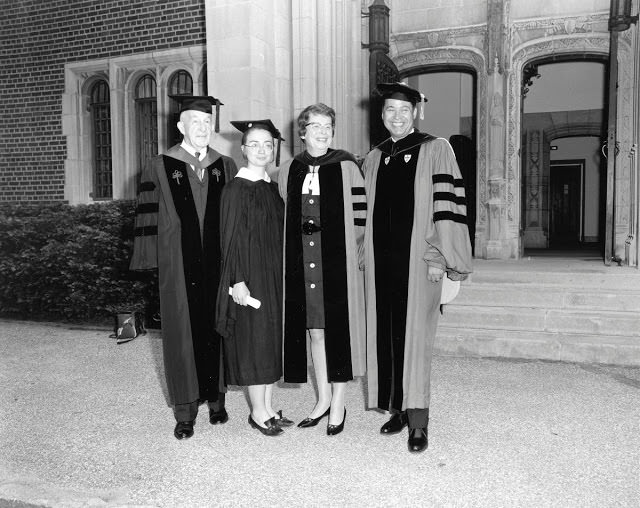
[70,263]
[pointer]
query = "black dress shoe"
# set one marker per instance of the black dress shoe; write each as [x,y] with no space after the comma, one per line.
[396,423]
[332,430]
[418,441]
[312,422]
[270,428]
[184,430]
[216,417]
[282,420]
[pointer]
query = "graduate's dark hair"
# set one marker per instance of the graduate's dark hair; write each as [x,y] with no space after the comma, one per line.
[256,127]
[314,109]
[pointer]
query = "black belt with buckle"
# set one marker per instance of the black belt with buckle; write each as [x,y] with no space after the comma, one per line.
[308,228]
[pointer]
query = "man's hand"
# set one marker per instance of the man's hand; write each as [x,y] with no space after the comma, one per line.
[434,273]
[240,293]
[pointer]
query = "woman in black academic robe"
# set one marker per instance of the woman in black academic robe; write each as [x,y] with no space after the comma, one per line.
[251,219]
[324,291]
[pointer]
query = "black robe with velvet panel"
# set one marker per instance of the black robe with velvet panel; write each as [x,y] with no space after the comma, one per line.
[186,252]
[342,212]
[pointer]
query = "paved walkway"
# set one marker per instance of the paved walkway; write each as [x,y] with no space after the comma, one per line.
[84,422]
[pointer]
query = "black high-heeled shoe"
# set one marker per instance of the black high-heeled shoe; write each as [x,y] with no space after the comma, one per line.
[312,422]
[332,430]
[282,420]
[271,429]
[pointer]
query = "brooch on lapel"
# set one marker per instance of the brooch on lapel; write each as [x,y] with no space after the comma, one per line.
[216,173]
[386,160]
[407,158]
[176,176]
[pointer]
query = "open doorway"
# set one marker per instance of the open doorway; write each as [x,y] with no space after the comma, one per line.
[563,128]
[450,114]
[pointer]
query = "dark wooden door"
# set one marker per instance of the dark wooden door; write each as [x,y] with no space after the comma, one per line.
[381,70]
[565,194]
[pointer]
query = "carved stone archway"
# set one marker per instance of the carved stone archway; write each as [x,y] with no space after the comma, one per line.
[472,59]
[597,44]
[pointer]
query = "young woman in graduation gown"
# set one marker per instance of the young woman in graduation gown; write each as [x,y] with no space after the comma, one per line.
[324,297]
[251,218]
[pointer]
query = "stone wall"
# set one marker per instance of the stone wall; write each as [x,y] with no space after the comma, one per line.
[496,40]
[38,39]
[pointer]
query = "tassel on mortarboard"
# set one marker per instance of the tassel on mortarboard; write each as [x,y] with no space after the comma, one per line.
[278,151]
[200,103]
[218,104]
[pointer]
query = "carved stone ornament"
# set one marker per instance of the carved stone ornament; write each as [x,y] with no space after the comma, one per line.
[576,44]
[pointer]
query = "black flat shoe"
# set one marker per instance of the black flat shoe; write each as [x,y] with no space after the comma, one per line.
[216,417]
[418,440]
[312,422]
[396,423]
[282,420]
[184,430]
[270,429]
[333,430]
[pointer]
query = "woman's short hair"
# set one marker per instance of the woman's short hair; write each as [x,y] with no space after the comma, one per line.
[314,109]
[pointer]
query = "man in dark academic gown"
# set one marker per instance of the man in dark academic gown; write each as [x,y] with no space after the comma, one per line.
[178,232]
[416,231]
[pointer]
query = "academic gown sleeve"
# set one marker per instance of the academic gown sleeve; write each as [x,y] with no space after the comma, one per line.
[359,205]
[234,245]
[448,244]
[145,242]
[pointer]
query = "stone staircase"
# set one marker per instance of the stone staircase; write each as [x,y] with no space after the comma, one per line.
[574,310]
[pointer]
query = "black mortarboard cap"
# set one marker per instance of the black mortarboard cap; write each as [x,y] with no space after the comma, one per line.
[266,124]
[202,103]
[401,92]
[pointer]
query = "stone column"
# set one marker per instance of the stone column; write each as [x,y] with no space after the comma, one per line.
[327,62]
[635,148]
[272,58]
[249,66]
[495,245]
[498,243]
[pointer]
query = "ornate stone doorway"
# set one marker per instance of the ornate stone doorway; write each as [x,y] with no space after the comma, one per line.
[561,97]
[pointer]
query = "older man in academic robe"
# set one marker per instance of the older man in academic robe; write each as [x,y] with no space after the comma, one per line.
[416,232]
[177,231]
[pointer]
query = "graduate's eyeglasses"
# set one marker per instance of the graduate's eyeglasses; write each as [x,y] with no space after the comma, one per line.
[254,145]
[317,127]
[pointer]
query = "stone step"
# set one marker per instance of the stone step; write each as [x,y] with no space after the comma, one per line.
[590,322]
[548,297]
[552,309]
[544,345]
[554,274]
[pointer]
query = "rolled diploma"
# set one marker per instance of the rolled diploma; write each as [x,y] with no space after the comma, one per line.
[251,301]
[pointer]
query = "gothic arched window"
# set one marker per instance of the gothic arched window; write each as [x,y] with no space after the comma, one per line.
[146,119]
[180,83]
[100,106]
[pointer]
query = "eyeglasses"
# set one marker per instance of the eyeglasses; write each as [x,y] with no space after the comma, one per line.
[254,145]
[316,127]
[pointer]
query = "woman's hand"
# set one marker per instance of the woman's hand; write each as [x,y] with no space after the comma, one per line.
[240,293]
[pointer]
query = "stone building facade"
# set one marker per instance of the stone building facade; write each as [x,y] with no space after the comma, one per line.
[271,58]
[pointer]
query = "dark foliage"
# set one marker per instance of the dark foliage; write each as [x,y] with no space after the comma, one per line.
[71,263]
